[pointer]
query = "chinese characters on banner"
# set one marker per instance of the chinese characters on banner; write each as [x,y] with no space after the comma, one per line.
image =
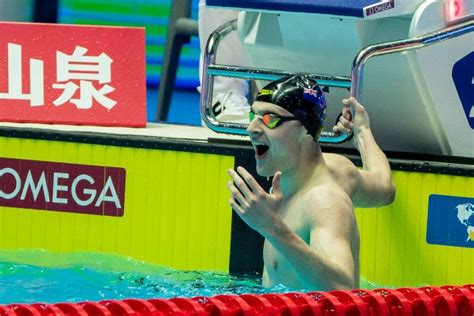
[64,74]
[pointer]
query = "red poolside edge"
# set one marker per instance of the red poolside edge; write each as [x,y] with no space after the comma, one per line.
[446,300]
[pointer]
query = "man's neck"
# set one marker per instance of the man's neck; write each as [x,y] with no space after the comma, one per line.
[309,167]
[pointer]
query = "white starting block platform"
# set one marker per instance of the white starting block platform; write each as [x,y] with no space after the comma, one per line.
[420,98]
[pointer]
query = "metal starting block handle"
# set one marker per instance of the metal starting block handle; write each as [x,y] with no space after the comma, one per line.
[354,82]
[212,69]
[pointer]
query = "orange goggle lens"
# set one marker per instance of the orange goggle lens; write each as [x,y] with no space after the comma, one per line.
[270,120]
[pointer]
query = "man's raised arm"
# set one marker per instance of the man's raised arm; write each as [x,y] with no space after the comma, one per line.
[374,185]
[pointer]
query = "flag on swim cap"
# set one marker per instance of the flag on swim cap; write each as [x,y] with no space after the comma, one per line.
[301,96]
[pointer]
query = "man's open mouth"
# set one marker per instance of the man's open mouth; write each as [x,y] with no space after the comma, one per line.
[261,149]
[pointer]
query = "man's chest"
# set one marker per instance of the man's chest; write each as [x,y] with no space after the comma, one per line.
[275,261]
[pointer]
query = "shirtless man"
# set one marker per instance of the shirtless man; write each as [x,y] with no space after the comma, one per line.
[308,222]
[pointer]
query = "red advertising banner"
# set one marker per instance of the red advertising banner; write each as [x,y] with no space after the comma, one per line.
[65,74]
[62,187]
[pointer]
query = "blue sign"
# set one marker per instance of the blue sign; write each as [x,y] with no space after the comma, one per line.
[450,221]
[463,77]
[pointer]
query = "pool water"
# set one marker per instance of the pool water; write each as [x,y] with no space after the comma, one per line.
[40,276]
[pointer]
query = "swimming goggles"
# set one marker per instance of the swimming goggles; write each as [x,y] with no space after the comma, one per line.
[271,120]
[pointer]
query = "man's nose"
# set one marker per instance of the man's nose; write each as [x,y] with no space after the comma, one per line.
[254,126]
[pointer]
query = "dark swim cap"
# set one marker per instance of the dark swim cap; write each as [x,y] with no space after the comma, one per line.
[301,96]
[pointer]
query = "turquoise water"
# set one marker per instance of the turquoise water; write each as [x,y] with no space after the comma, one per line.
[28,276]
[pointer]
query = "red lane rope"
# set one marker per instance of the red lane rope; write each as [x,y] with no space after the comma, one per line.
[448,300]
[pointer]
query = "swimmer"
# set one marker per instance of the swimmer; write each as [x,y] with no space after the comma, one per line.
[308,221]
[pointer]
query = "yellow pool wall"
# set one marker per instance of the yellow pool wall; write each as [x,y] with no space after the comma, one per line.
[177,214]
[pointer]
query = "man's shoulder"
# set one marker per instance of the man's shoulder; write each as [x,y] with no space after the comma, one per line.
[339,164]
[324,189]
[328,205]
[328,196]
[336,157]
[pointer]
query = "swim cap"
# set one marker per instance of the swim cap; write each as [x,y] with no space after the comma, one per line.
[301,96]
